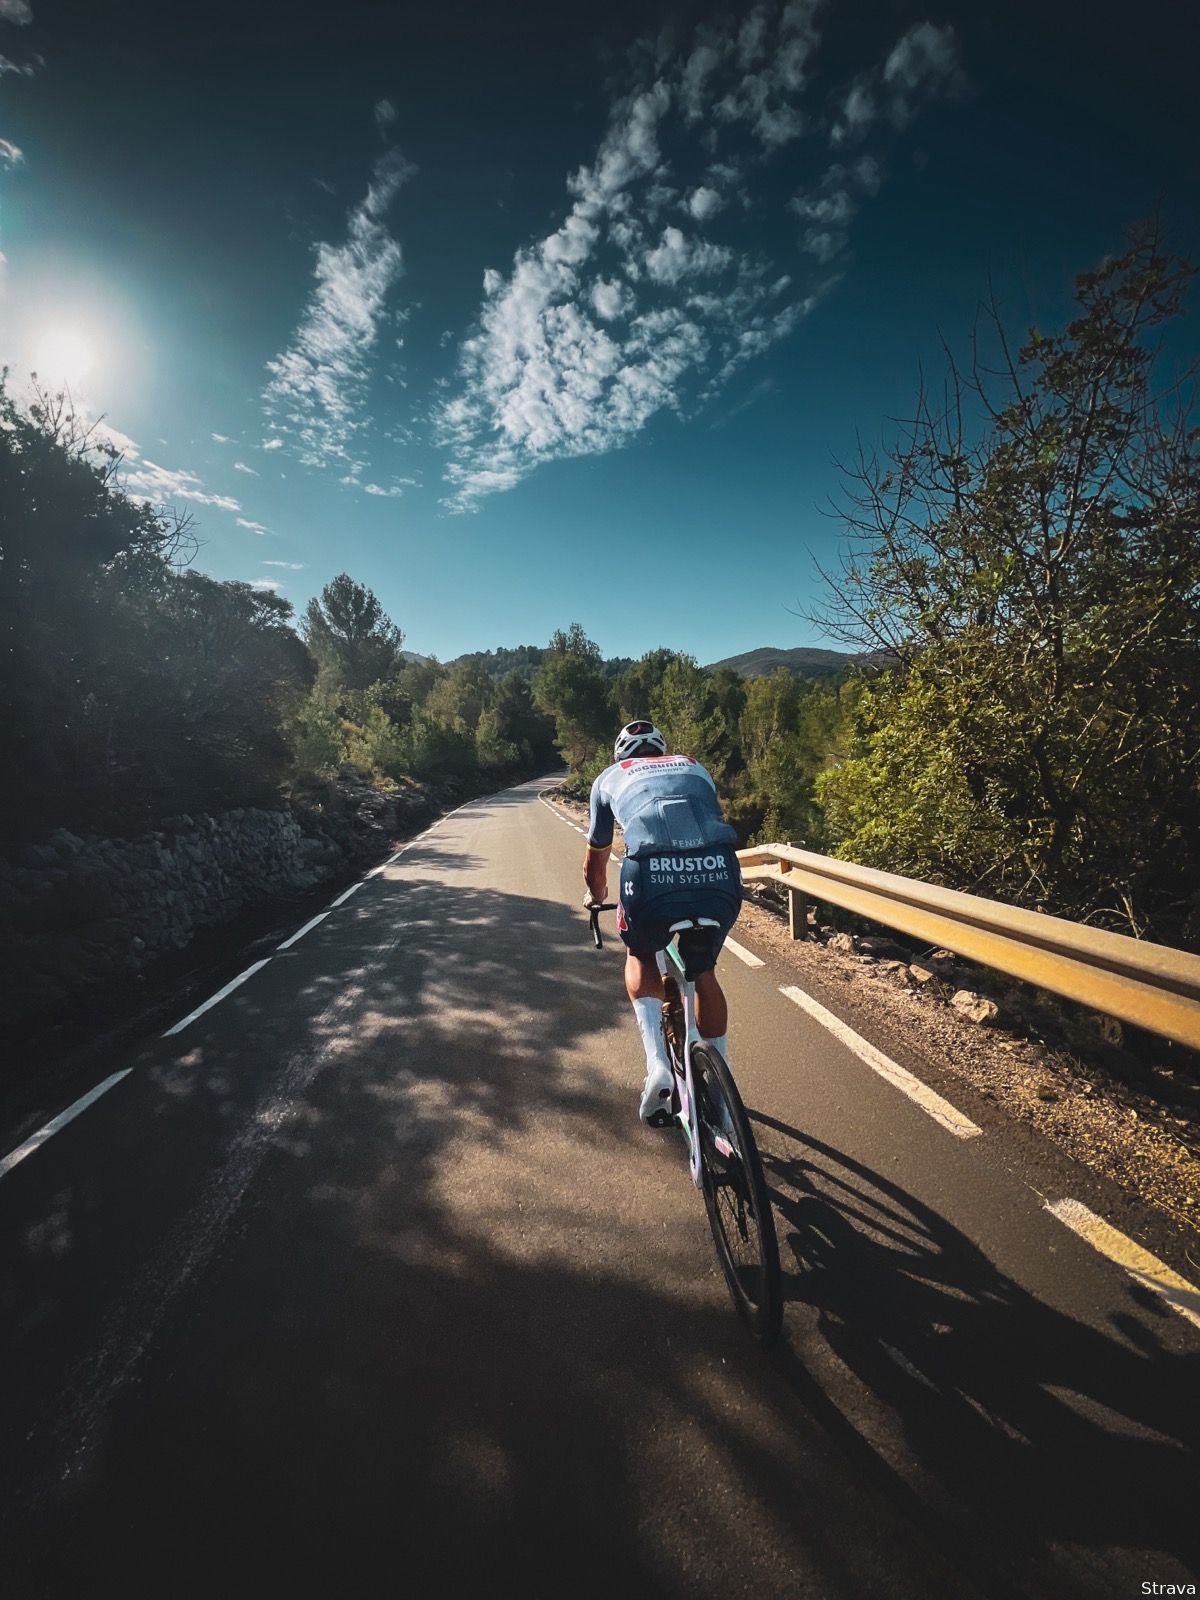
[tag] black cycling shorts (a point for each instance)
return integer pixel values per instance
(662, 888)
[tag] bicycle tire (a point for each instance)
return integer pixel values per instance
(736, 1197)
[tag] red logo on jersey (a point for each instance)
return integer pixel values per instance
(656, 761)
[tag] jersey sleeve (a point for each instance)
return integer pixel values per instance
(600, 817)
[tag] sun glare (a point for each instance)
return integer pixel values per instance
(64, 357)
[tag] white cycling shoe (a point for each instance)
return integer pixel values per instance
(655, 1109)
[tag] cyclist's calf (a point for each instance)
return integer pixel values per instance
(643, 981)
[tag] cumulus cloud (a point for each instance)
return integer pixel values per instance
(704, 202)
(316, 397)
(162, 485)
(271, 444)
(392, 492)
(622, 312)
(265, 583)
(611, 299)
(676, 256)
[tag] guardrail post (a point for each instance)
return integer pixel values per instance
(797, 914)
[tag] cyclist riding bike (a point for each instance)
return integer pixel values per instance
(679, 864)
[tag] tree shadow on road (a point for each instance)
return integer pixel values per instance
(366, 1288)
(1034, 1441)
(375, 1282)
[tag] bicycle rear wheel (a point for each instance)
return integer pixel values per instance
(736, 1198)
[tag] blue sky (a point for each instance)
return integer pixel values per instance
(528, 315)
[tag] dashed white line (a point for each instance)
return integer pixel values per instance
(220, 995)
(346, 893)
(36, 1140)
(300, 932)
(899, 1077)
(742, 953)
(1141, 1266)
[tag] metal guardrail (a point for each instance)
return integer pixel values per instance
(1149, 985)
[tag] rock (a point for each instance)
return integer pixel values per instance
(881, 949)
(843, 942)
(939, 959)
(920, 973)
(975, 1007)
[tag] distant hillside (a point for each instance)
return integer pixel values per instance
(801, 663)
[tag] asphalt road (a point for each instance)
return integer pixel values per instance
(369, 1281)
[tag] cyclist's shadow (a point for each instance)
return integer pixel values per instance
(1025, 1427)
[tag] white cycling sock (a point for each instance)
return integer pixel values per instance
(721, 1046)
(649, 1013)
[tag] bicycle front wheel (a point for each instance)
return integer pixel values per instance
(736, 1198)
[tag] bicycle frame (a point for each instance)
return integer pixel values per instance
(685, 1086)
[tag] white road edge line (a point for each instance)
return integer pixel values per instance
(300, 932)
(220, 995)
(346, 893)
(36, 1140)
(742, 953)
(1141, 1266)
(899, 1077)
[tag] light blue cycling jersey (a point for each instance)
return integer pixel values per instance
(661, 802)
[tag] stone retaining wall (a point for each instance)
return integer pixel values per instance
(77, 912)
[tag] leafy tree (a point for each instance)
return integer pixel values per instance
(351, 638)
(686, 709)
(1039, 588)
(570, 687)
(637, 688)
(519, 721)
(459, 697)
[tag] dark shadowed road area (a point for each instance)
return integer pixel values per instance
(369, 1281)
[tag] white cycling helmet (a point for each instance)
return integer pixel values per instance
(641, 738)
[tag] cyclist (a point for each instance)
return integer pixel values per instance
(679, 863)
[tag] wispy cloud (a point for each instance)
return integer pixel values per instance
(922, 64)
(271, 444)
(240, 466)
(22, 69)
(254, 527)
(316, 398)
(646, 297)
(221, 438)
(289, 566)
(18, 11)
(265, 583)
(10, 153)
(162, 485)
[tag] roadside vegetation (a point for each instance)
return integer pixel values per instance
(1021, 586)
(1020, 591)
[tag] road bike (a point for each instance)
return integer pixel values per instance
(722, 1156)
